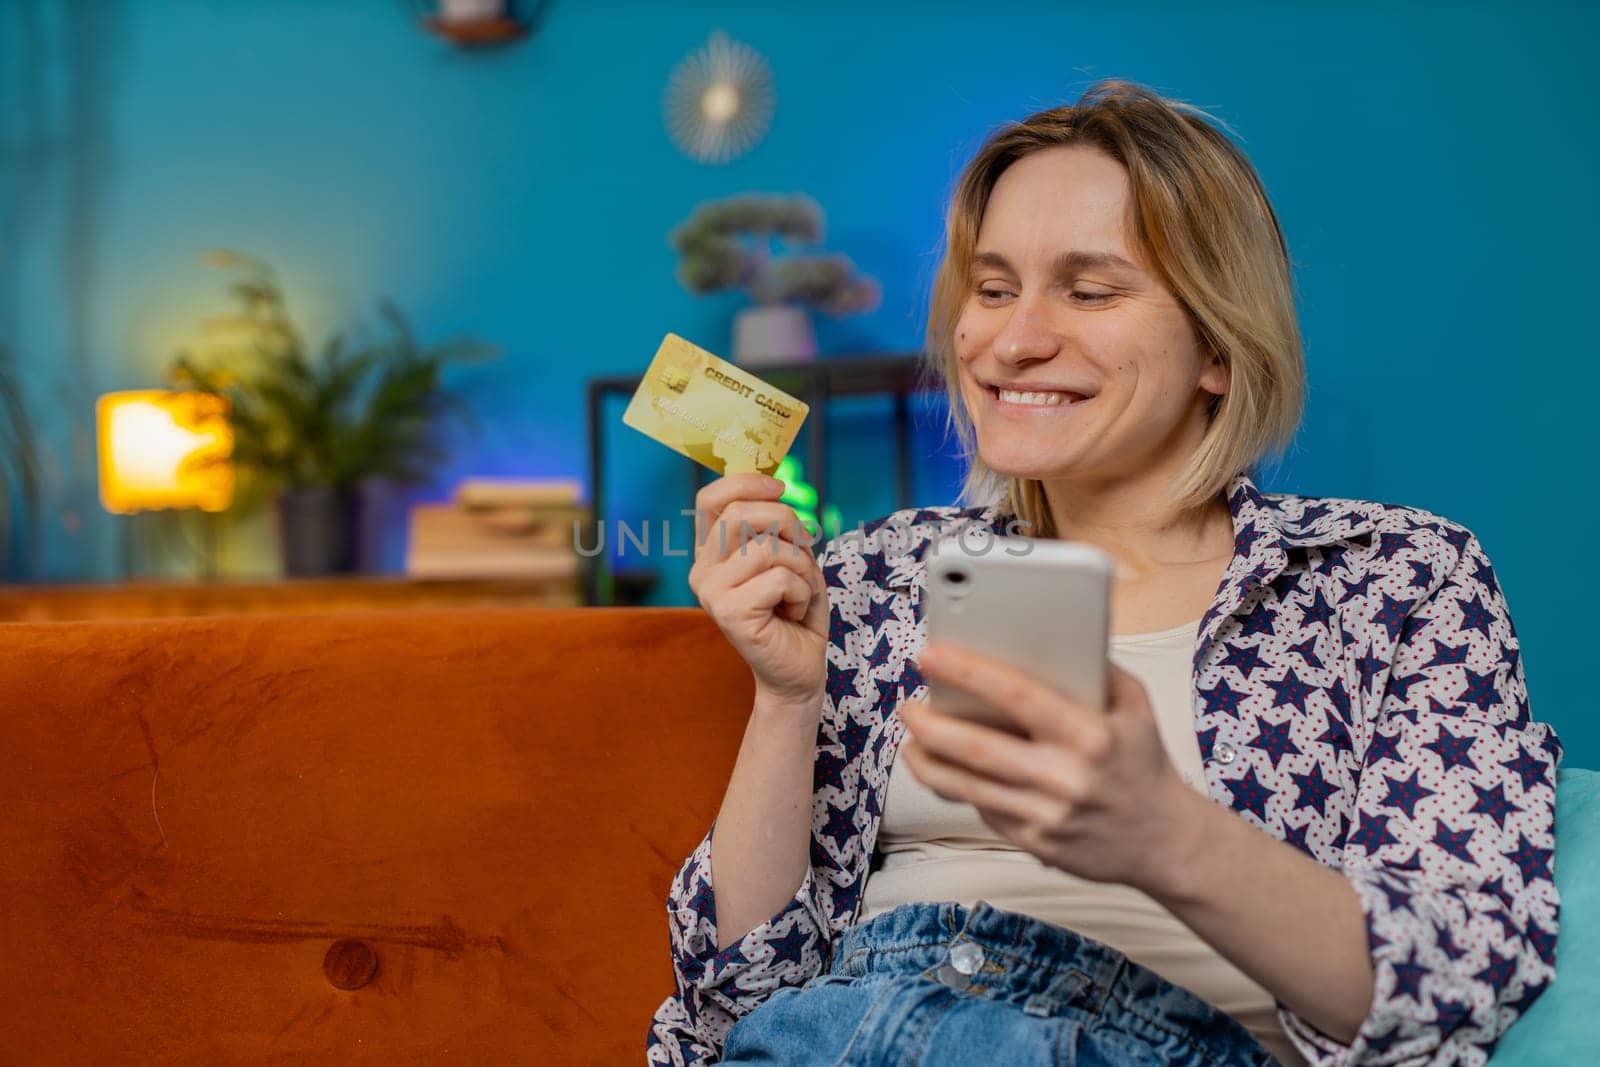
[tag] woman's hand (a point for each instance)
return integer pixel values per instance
(1094, 795)
(765, 591)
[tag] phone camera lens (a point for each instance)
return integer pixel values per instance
(955, 580)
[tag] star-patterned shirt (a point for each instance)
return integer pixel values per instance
(1358, 693)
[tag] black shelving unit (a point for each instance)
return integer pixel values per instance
(898, 375)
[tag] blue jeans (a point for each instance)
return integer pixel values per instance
(937, 983)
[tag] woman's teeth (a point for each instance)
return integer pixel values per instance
(1047, 399)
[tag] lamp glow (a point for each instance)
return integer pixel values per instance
(161, 449)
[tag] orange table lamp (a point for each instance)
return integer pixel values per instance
(162, 449)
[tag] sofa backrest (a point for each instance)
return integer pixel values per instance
(488, 805)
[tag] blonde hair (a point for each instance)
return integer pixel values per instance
(1202, 223)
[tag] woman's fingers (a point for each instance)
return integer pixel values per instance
(739, 515)
(715, 496)
(763, 593)
(953, 780)
(1039, 709)
(1054, 770)
(753, 522)
(759, 531)
(752, 565)
(754, 559)
(820, 609)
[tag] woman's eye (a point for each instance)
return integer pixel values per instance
(1083, 296)
(1079, 295)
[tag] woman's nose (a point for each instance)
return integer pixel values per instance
(1017, 353)
(1027, 337)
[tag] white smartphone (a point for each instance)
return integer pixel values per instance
(1041, 605)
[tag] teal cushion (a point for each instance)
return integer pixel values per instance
(1563, 1025)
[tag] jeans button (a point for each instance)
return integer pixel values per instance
(966, 957)
(1224, 752)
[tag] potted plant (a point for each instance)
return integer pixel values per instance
(308, 432)
(19, 473)
(727, 244)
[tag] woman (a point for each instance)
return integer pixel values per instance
(1316, 824)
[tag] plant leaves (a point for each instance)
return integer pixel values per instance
(355, 411)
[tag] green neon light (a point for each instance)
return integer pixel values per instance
(802, 496)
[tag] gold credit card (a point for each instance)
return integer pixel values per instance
(713, 412)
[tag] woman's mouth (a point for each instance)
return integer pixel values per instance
(1034, 400)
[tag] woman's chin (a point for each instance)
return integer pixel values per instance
(1022, 465)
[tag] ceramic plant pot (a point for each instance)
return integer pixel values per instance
(471, 10)
(319, 530)
(773, 333)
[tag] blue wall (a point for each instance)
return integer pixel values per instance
(1434, 170)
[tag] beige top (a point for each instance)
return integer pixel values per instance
(937, 850)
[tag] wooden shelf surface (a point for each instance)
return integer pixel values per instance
(477, 32)
(155, 599)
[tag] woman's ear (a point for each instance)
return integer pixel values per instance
(1215, 377)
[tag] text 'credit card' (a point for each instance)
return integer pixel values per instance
(713, 412)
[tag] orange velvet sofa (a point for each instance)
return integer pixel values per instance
(407, 837)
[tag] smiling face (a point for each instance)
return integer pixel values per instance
(1076, 363)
